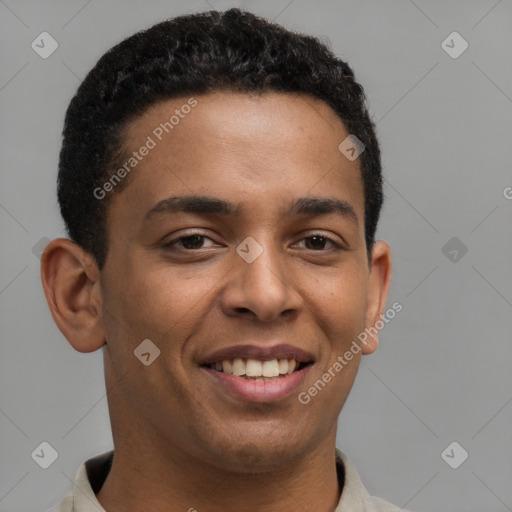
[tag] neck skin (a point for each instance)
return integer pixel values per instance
(147, 476)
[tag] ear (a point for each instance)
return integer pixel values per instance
(71, 283)
(380, 281)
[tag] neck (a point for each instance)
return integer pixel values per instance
(143, 480)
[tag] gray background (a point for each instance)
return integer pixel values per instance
(442, 372)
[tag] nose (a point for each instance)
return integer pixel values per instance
(264, 289)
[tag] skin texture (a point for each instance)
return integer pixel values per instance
(181, 442)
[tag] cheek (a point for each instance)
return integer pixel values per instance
(164, 305)
(147, 307)
(342, 302)
(135, 309)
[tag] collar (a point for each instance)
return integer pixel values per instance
(93, 472)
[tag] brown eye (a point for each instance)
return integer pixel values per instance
(188, 243)
(192, 242)
(317, 243)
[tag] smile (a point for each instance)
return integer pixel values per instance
(256, 381)
(258, 371)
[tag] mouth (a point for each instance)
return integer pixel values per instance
(258, 374)
(258, 371)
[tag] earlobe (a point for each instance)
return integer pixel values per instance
(70, 279)
(380, 281)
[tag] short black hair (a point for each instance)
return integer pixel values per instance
(196, 54)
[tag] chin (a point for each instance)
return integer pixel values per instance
(256, 455)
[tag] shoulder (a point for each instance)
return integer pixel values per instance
(354, 496)
(65, 505)
(374, 504)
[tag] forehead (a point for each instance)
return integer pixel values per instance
(269, 147)
(253, 122)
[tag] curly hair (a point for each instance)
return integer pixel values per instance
(192, 55)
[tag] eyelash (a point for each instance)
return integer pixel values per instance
(172, 243)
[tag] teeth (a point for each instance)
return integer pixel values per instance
(254, 368)
(257, 370)
(238, 367)
(227, 367)
(271, 368)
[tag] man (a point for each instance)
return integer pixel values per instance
(221, 186)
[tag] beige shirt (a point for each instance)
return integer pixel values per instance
(93, 472)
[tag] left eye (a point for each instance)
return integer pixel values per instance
(316, 241)
(189, 242)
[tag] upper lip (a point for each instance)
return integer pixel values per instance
(282, 351)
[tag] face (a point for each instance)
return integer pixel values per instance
(269, 265)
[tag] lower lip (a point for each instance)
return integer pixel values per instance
(259, 391)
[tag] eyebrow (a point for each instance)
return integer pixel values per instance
(310, 206)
